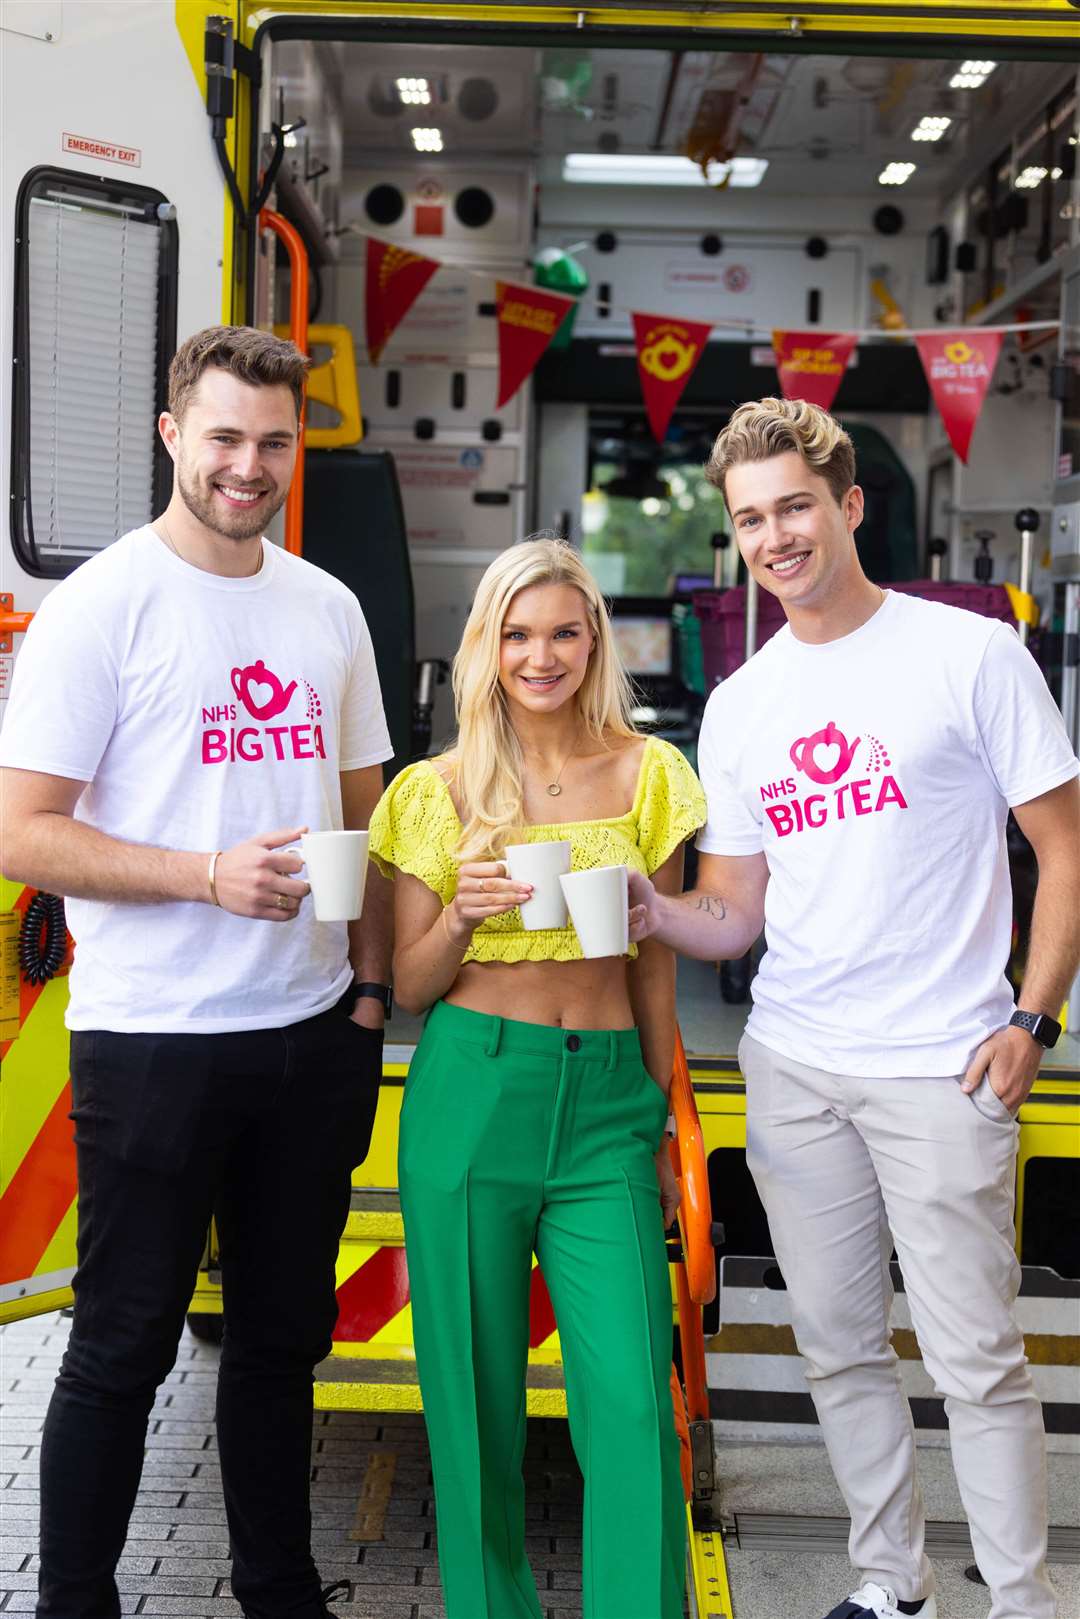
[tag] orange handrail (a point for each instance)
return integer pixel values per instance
(692, 1343)
(298, 331)
(695, 1273)
(688, 1161)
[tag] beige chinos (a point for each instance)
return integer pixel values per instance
(846, 1167)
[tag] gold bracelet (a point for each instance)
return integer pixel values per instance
(446, 926)
(212, 873)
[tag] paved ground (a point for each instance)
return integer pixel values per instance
(176, 1559)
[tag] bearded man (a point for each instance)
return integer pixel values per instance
(185, 704)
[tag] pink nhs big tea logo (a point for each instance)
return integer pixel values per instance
(261, 696)
(825, 758)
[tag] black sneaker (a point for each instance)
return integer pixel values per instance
(872, 1601)
(332, 1592)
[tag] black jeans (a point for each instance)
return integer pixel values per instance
(261, 1129)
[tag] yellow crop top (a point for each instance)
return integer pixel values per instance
(415, 828)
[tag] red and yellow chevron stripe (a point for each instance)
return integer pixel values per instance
(373, 1300)
(37, 1153)
(372, 1366)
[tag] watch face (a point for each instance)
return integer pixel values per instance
(1040, 1027)
(1046, 1031)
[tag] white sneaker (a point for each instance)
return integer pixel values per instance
(872, 1601)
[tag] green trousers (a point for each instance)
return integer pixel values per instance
(519, 1138)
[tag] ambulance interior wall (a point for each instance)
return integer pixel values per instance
(1010, 466)
(475, 478)
(659, 265)
(540, 460)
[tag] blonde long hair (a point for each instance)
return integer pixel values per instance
(486, 759)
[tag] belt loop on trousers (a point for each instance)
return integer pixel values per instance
(612, 1050)
(494, 1037)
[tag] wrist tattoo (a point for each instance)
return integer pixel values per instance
(713, 905)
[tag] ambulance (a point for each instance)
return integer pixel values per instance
(757, 171)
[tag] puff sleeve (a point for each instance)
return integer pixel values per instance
(672, 805)
(414, 828)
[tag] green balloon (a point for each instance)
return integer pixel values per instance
(556, 271)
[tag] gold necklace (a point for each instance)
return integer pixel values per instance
(553, 788)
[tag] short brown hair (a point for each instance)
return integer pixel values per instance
(763, 428)
(258, 358)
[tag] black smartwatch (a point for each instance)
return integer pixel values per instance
(376, 992)
(1039, 1026)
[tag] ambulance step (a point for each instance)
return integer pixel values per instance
(795, 1532)
(353, 1383)
(374, 1217)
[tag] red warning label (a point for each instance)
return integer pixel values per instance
(102, 151)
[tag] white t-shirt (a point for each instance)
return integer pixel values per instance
(201, 711)
(876, 772)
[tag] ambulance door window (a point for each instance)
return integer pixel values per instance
(95, 329)
(648, 515)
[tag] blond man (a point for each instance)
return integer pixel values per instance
(859, 771)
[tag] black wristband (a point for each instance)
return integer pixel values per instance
(376, 992)
(1046, 1030)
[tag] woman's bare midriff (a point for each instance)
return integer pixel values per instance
(560, 994)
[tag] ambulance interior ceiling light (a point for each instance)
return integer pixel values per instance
(930, 129)
(895, 174)
(623, 168)
(414, 92)
(427, 140)
(971, 75)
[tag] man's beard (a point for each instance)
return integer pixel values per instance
(238, 525)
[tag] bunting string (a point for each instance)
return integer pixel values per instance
(751, 325)
(958, 361)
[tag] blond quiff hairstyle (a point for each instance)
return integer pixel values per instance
(486, 760)
(763, 428)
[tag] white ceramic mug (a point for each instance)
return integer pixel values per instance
(336, 869)
(599, 906)
(541, 864)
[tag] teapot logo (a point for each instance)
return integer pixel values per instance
(245, 683)
(667, 357)
(803, 754)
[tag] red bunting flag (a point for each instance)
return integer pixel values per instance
(528, 320)
(395, 279)
(812, 364)
(667, 352)
(958, 366)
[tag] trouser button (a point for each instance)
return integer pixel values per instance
(573, 1042)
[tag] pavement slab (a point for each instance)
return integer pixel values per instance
(176, 1561)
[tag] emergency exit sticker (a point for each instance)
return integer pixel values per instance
(130, 157)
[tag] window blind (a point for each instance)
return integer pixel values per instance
(93, 345)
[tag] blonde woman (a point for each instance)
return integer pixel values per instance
(534, 1112)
